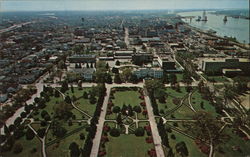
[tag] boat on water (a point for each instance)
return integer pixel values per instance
(225, 19)
(210, 31)
(203, 18)
(199, 18)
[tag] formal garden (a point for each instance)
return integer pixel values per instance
(189, 119)
(60, 123)
(126, 131)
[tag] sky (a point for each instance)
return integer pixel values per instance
(54, 5)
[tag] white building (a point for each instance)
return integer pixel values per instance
(148, 72)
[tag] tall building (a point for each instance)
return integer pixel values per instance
(218, 66)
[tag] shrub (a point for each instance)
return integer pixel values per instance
(115, 132)
(139, 132)
(18, 148)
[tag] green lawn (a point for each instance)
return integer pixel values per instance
(196, 100)
(74, 126)
(126, 97)
(183, 112)
(61, 149)
(82, 103)
(111, 124)
(127, 146)
(193, 150)
(28, 145)
(169, 100)
(216, 78)
(142, 124)
(179, 77)
(234, 140)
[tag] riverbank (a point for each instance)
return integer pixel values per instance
(232, 28)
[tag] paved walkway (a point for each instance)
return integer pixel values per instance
(155, 133)
(97, 139)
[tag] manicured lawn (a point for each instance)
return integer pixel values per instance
(234, 141)
(169, 100)
(179, 77)
(35, 126)
(127, 146)
(183, 112)
(196, 100)
(126, 97)
(69, 129)
(193, 149)
(174, 93)
(28, 145)
(142, 117)
(85, 105)
(61, 149)
(142, 124)
(111, 124)
(216, 78)
(82, 103)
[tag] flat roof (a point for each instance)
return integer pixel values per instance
(224, 59)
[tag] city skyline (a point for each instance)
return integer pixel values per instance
(78, 5)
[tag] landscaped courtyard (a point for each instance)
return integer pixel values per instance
(58, 119)
(126, 131)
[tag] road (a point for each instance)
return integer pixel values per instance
(126, 38)
(39, 86)
(15, 27)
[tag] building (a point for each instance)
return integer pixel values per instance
(123, 54)
(218, 66)
(85, 73)
(148, 72)
(82, 59)
(166, 63)
(142, 58)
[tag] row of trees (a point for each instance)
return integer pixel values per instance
(92, 129)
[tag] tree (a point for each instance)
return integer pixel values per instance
(116, 109)
(119, 119)
(139, 131)
(41, 132)
(74, 150)
(85, 95)
(117, 63)
(115, 70)
(108, 78)
(6, 130)
(115, 132)
(207, 128)
(57, 93)
(67, 99)
(126, 74)
(82, 136)
(44, 113)
(181, 148)
(18, 148)
(117, 79)
(107, 66)
(172, 78)
(72, 88)
(64, 87)
(62, 110)
(137, 109)
(30, 134)
(134, 78)
(92, 99)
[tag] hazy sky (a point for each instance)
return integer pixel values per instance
(48, 5)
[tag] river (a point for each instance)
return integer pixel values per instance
(234, 27)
